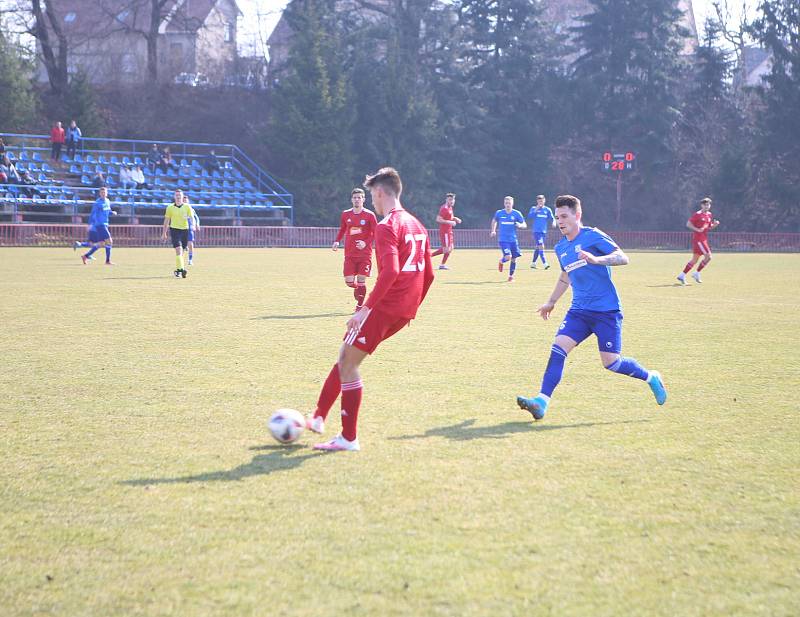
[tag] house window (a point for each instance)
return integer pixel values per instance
(69, 17)
(128, 63)
(228, 32)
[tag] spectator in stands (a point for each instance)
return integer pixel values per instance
(166, 160)
(29, 182)
(137, 175)
(125, 179)
(74, 136)
(2, 147)
(12, 176)
(211, 162)
(99, 180)
(153, 157)
(57, 138)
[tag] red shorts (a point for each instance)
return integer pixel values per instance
(357, 267)
(377, 327)
(446, 239)
(701, 247)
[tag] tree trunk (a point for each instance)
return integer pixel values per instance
(55, 65)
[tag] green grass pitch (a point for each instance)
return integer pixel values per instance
(138, 476)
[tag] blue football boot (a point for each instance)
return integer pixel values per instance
(657, 386)
(537, 406)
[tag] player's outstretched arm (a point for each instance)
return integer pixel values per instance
(617, 258)
(562, 284)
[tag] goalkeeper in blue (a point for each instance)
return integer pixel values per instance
(586, 256)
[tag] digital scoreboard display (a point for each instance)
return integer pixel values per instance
(619, 161)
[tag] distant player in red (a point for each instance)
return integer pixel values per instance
(405, 273)
(701, 222)
(357, 227)
(446, 221)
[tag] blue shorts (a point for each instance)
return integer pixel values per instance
(510, 249)
(99, 233)
(191, 235)
(539, 238)
(606, 325)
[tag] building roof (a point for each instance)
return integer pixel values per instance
(81, 17)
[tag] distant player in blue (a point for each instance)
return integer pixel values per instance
(194, 226)
(508, 220)
(99, 235)
(585, 255)
(542, 218)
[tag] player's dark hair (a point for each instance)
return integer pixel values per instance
(449, 195)
(540, 197)
(568, 201)
(387, 178)
(357, 191)
(705, 200)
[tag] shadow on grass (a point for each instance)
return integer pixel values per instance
(465, 431)
(276, 458)
(134, 278)
(319, 316)
(667, 285)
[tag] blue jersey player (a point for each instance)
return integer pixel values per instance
(99, 234)
(194, 227)
(542, 218)
(585, 255)
(508, 221)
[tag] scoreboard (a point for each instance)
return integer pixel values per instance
(619, 161)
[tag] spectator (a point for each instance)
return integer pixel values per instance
(166, 160)
(12, 177)
(99, 180)
(2, 147)
(211, 162)
(125, 177)
(153, 157)
(57, 138)
(74, 137)
(29, 182)
(137, 175)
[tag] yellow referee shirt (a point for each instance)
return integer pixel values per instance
(179, 216)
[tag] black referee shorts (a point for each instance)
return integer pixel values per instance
(180, 237)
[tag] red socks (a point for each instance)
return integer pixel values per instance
(360, 293)
(437, 252)
(703, 264)
(688, 268)
(446, 257)
(329, 394)
(351, 402)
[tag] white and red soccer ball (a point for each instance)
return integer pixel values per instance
(286, 425)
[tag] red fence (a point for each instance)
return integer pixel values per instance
(296, 237)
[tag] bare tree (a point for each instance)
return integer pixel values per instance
(735, 35)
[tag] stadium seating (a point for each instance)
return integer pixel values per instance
(237, 194)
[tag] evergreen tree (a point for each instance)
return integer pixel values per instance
(80, 105)
(778, 29)
(311, 127)
(17, 99)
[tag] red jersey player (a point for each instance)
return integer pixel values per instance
(357, 227)
(701, 222)
(405, 273)
(446, 221)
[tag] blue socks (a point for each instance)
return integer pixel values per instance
(108, 253)
(92, 250)
(86, 244)
(629, 367)
(554, 370)
(512, 267)
(191, 254)
(536, 254)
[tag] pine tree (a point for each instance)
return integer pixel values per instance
(17, 100)
(311, 130)
(80, 105)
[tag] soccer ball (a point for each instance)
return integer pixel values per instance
(286, 425)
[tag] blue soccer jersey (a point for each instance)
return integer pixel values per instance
(507, 224)
(100, 212)
(542, 217)
(592, 287)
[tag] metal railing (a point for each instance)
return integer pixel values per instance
(319, 237)
(132, 148)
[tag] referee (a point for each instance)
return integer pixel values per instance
(177, 218)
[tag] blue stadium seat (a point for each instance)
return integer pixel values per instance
(85, 180)
(114, 160)
(47, 168)
(42, 177)
(23, 156)
(90, 159)
(87, 169)
(137, 160)
(37, 157)
(78, 158)
(195, 164)
(102, 159)
(184, 163)
(74, 169)
(126, 160)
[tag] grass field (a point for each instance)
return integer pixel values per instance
(138, 477)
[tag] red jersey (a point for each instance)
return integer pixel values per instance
(355, 227)
(701, 220)
(57, 135)
(405, 271)
(445, 212)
